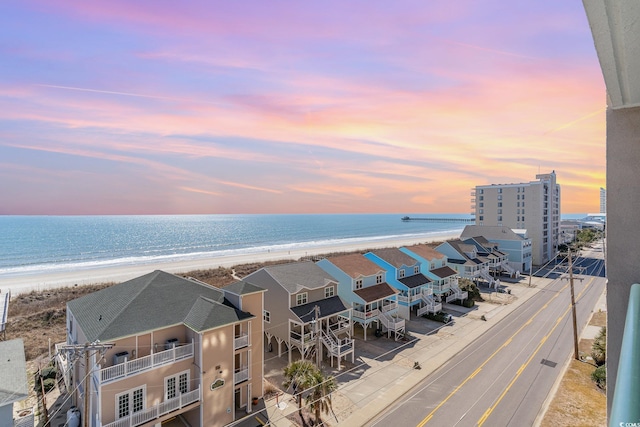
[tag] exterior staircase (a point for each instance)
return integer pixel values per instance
(458, 294)
(486, 276)
(430, 304)
(337, 347)
(393, 324)
(506, 267)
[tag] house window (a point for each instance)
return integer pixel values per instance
(176, 384)
(266, 316)
(329, 292)
(481, 218)
(499, 196)
(481, 198)
(499, 211)
(130, 402)
(499, 204)
(481, 204)
(379, 279)
(401, 273)
(358, 283)
(416, 269)
(500, 218)
(301, 298)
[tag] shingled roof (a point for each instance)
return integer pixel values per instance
(297, 276)
(395, 257)
(13, 372)
(153, 301)
(355, 265)
(426, 252)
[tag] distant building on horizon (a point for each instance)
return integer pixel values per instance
(603, 200)
(534, 206)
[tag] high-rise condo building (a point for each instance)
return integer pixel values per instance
(533, 206)
(603, 200)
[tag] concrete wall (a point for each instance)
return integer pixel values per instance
(623, 233)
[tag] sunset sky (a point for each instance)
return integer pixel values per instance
(167, 107)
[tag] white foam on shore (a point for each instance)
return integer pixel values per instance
(69, 274)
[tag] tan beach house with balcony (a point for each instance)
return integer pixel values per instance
(303, 311)
(161, 347)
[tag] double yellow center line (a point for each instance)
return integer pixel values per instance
(506, 343)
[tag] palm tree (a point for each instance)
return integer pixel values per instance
(319, 399)
(299, 375)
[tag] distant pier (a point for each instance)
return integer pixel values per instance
(408, 218)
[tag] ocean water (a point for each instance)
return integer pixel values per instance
(44, 244)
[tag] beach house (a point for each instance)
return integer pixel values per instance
(13, 383)
(302, 310)
(516, 245)
(404, 273)
(433, 264)
(464, 258)
(161, 347)
(489, 250)
(361, 283)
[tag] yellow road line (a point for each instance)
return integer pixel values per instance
(455, 390)
(522, 368)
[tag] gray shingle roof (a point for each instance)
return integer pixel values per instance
(328, 307)
(443, 272)
(242, 288)
(415, 280)
(298, 275)
(490, 232)
(149, 302)
(13, 372)
(395, 257)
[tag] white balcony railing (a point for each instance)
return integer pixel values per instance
(299, 339)
(159, 410)
(364, 316)
(389, 307)
(241, 341)
(240, 375)
(132, 367)
(404, 298)
(342, 324)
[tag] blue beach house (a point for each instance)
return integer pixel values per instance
(403, 273)
(517, 246)
(361, 283)
(433, 264)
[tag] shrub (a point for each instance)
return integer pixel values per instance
(48, 372)
(471, 288)
(599, 347)
(599, 376)
(48, 384)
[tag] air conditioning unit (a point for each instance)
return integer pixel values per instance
(170, 343)
(121, 357)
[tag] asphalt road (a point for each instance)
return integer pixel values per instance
(504, 377)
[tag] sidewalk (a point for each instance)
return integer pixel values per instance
(382, 375)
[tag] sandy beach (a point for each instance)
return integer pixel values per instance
(26, 283)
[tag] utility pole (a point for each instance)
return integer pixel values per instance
(73, 352)
(573, 310)
(318, 344)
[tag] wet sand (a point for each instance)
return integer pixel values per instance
(26, 283)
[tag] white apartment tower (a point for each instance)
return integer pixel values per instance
(534, 206)
(603, 200)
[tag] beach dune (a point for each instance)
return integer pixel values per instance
(27, 283)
